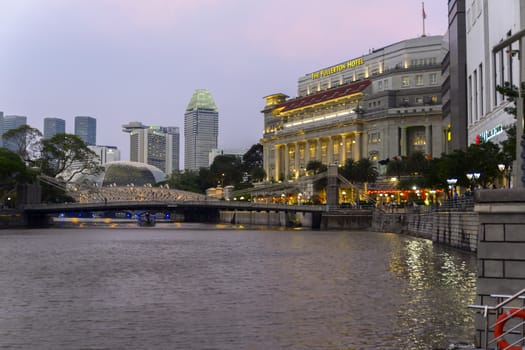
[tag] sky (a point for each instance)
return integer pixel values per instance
(141, 60)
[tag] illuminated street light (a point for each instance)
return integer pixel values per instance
(451, 183)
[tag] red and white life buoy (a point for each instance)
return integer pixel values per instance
(500, 323)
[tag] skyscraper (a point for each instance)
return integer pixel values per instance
(154, 145)
(7, 123)
(54, 126)
(86, 129)
(201, 130)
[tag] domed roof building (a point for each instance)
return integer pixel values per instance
(123, 173)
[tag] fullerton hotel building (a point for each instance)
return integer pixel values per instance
(378, 106)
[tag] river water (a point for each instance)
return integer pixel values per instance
(194, 286)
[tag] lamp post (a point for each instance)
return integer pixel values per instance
(451, 184)
(505, 170)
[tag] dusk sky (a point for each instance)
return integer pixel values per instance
(141, 60)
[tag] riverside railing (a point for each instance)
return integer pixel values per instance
(510, 309)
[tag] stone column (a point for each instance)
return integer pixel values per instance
(306, 153)
(277, 163)
(318, 150)
(428, 139)
(266, 162)
(500, 247)
(342, 150)
(356, 147)
(286, 161)
(330, 151)
(403, 141)
(296, 158)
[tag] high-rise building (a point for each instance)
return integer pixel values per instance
(86, 129)
(8, 122)
(455, 81)
(54, 126)
(106, 154)
(154, 145)
(201, 130)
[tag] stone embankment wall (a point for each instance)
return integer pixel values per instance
(455, 228)
(267, 218)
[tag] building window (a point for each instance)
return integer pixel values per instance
(405, 81)
(374, 137)
(380, 85)
(419, 100)
(433, 78)
(481, 92)
(419, 79)
(385, 84)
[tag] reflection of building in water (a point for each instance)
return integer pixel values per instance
(378, 106)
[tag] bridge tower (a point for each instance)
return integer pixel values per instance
(332, 188)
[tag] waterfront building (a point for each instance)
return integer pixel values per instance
(9, 122)
(487, 24)
(106, 154)
(86, 129)
(381, 105)
(201, 130)
(154, 145)
(54, 126)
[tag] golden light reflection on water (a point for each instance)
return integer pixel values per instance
(432, 273)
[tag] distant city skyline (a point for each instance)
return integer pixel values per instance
(68, 58)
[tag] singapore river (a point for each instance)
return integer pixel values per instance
(195, 286)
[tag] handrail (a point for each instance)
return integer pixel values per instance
(497, 309)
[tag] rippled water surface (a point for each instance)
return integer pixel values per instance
(209, 287)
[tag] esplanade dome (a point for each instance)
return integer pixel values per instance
(123, 173)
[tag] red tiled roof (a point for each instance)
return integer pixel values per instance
(323, 96)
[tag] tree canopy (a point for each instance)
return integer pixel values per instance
(66, 155)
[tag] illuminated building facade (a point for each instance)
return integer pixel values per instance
(154, 145)
(379, 106)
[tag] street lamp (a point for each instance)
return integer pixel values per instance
(505, 170)
(451, 183)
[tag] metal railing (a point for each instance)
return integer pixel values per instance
(508, 307)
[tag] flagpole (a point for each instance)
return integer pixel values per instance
(424, 15)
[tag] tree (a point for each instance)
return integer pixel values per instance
(65, 156)
(253, 162)
(316, 166)
(348, 169)
(13, 171)
(227, 170)
(26, 141)
(187, 180)
(365, 171)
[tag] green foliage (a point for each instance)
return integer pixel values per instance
(316, 167)
(511, 92)
(252, 162)
(66, 155)
(226, 170)
(185, 181)
(362, 170)
(26, 141)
